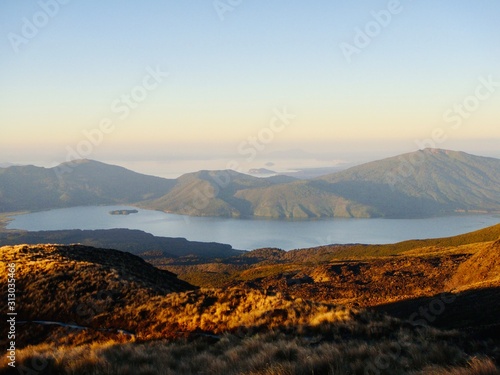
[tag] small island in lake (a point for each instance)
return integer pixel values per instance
(123, 212)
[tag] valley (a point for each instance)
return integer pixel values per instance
(102, 295)
(426, 305)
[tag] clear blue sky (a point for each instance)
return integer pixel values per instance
(227, 77)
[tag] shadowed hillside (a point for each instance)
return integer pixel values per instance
(301, 199)
(80, 285)
(420, 184)
(350, 309)
(78, 183)
(212, 193)
(134, 241)
(113, 313)
(440, 182)
(426, 181)
(367, 275)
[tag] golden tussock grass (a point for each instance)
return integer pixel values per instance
(381, 346)
(179, 329)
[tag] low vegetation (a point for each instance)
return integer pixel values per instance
(362, 274)
(383, 346)
(432, 309)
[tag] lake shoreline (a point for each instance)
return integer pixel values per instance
(7, 217)
(252, 233)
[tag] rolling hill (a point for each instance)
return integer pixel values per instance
(79, 285)
(420, 184)
(134, 241)
(424, 183)
(460, 273)
(430, 181)
(78, 183)
(85, 310)
(212, 193)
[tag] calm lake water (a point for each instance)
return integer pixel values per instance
(247, 234)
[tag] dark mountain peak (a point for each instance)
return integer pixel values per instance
(76, 183)
(413, 161)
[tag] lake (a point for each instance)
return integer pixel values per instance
(247, 234)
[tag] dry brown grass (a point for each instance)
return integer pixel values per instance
(234, 330)
(216, 311)
(77, 284)
(384, 346)
(110, 290)
(475, 366)
(479, 270)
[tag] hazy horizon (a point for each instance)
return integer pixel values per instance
(284, 161)
(172, 84)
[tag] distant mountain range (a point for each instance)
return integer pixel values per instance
(82, 182)
(420, 184)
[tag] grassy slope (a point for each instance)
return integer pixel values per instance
(80, 284)
(407, 282)
(480, 270)
(365, 345)
(360, 251)
(274, 262)
(257, 329)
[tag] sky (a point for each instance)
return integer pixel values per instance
(175, 84)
